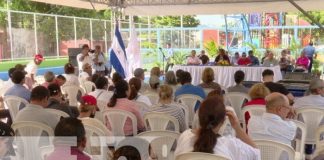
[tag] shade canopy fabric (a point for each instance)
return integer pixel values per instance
(192, 7)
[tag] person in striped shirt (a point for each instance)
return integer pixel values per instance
(168, 106)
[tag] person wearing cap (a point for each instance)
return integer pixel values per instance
(84, 57)
(315, 98)
(35, 111)
(88, 106)
(139, 73)
(32, 67)
(56, 101)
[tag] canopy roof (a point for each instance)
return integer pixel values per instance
(192, 7)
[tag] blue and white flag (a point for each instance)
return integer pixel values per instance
(118, 58)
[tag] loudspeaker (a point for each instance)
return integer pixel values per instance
(73, 52)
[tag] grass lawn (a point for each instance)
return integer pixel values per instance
(5, 66)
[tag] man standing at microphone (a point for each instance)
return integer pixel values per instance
(168, 57)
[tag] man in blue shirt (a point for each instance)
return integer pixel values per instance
(254, 59)
(310, 52)
(188, 88)
(18, 90)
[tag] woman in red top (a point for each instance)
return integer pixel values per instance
(257, 93)
(244, 61)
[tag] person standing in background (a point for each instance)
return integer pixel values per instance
(99, 59)
(31, 70)
(168, 57)
(310, 54)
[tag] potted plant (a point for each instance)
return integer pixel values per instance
(316, 71)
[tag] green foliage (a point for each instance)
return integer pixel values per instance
(316, 67)
(212, 48)
(294, 47)
(254, 48)
(179, 57)
(175, 21)
(319, 17)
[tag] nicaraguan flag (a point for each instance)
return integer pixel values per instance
(118, 58)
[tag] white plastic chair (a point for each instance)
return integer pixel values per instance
(101, 105)
(58, 113)
(300, 143)
(271, 150)
(96, 137)
(185, 110)
(88, 86)
(236, 100)
(117, 119)
(13, 103)
(207, 90)
(143, 107)
(253, 110)
(200, 156)
(312, 117)
(159, 121)
(72, 92)
(161, 142)
(141, 144)
(28, 137)
(190, 101)
(154, 97)
(319, 141)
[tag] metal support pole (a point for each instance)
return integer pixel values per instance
(75, 33)
(105, 26)
(10, 30)
(226, 32)
(35, 31)
(182, 36)
(91, 38)
(57, 38)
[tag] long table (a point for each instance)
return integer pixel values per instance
(224, 75)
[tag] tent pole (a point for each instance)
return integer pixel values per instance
(226, 32)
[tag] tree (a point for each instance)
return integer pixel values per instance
(175, 21)
(318, 16)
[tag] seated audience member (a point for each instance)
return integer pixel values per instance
(222, 57)
(239, 87)
(235, 59)
(266, 54)
(302, 63)
(315, 98)
(154, 84)
(270, 60)
(120, 101)
(56, 101)
(208, 79)
(192, 59)
(6, 142)
(127, 153)
(65, 148)
(60, 80)
(244, 61)
(101, 92)
(31, 69)
(254, 60)
(267, 77)
(258, 92)
(178, 76)
(35, 111)
(168, 106)
(273, 125)
(7, 84)
(155, 71)
(135, 86)
(71, 78)
(18, 78)
(49, 78)
(171, 80)
(98, 61)
(188, 88)
(88, 106)
(139, 73)
(86, 73)
(115, 78)
(207, 138)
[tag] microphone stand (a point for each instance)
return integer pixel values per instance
(163, 59)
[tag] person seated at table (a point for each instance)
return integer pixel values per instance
(268, 78)
(266, 54)
(204, 60)
(239, 87)
(274, 124)
(192, 59)
(244, 61)
(254, 60)
(235, 58)
(202, 52)
(222, 58)
(284, 62)
(207, 138)
(302, 63)
(208, 79)
(270, 60)
(188, 88)
(257, 92)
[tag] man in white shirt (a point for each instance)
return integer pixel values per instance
(86, 73)
(31, 70)
(192, 59)
(273, 124)
(101, 92)
(316, 89)
(84, 57)
(98, 61)
(35, 111)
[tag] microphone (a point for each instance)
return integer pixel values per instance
(160, 48)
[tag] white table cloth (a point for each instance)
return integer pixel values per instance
(224, 75)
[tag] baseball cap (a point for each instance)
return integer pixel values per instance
(39, 57)
(88, 100)
(138, 72)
